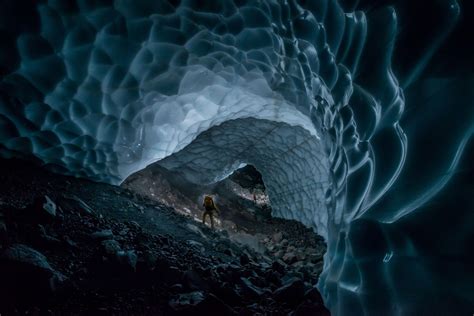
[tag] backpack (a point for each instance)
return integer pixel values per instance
(208, 202)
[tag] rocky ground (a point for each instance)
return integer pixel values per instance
(71, 246)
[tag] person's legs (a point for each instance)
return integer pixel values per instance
(212, 219)
(204, 217)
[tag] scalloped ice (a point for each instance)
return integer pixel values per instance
(301, 89)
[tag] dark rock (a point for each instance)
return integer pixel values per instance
(23, 254)
(26, 275)
(71, 243)
(58, 282)
(313, 295)
(277, 237)
(110, 247)
(198, 245)
(279, 266)
(290, 258)
(43, 239)
(244, 259)
(228, 294)
(290, 276)
(184, 302)
(311, 308)
(249, 290)
(74, 204)
(176, 288)
(43, 209)
(292, 292)
(170, 274)
(127, 259)
(229, 252)
(199, 303)
(273, 277)
(193, 281)
(102, 234)
(147, 261)
(133, 225)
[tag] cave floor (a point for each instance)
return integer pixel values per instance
(107, 250)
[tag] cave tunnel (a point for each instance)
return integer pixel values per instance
(357, 114)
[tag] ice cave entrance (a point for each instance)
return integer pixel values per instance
(245, 213)
(241, 196)
(292, 161)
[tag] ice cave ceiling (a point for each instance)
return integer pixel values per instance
(358, 114)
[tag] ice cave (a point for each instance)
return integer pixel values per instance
(358, 114)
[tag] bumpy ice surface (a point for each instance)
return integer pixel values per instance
(303, 90)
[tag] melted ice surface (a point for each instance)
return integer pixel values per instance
(303, 90)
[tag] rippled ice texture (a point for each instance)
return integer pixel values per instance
(304, 90)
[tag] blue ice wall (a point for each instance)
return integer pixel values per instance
(372, 98)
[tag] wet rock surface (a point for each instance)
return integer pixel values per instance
(110, 251)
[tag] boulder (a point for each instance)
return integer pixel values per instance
(193, 281)
(228, 294)
(24, 255)
(102, 234)
(27, 275)
(313, 295)
(311, 308)
(127, 259)
(74, 204)
(292, 292)
(110, 247)
(247, 289)
(43, 240)
(43, 209)
(170, 274)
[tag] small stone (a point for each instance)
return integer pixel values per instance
(187, 300)
(277, 237)
(127, 258)
(102, 234)
(71, 243)
(290, 258)
(199, 303)
(196, 244)
(279, 254)
(178, 287)
(44, 208)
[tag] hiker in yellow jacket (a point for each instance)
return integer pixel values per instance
(209, 208)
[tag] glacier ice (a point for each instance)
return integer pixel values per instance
(351, 139)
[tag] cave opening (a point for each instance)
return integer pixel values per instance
(245, 216)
